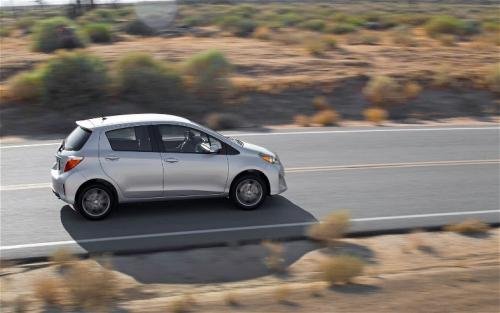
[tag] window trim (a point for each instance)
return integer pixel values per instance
(147, 132)
(162, 147)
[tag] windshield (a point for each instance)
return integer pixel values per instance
(76, 139)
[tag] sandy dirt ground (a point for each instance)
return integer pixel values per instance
(417, 272)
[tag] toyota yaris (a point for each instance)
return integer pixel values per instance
(129, 158)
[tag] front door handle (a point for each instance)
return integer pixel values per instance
(112, 158)
(171, 160)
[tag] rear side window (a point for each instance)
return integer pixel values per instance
(76, 139)
(130, 139)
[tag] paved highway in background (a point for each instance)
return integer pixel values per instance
(387, 178)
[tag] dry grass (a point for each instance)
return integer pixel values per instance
(282, 293)
(383, 91)
(182, 305)
(91, 286)
(262, 33)
(492, 79)
(333, 227)
(320, 103)
(447, 40)
(443, 78)
(62, 257)
(231, 299)
(326, 117)
(302, 120)
(469, 227)
(412, 90)
(375, 115)
(274, 260)
(49, 290)
(341, 269)
(222, 121)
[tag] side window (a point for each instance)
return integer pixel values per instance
(180, 139)
(130, 139)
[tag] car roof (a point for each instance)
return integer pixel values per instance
(127, 119)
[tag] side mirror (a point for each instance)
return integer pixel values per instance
(207, 148)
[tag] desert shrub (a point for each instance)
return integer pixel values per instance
(222, 121)
(383, 91)
(25, 87)
(471, 27)
(302, 120)
(138, 27)
(262, 32)
(48, 290)
(289, 19)
(492, 79)
(98, 32)
(341, 28)
(25, 24)
(208, 72)
(314, 24)
(315, 47)
(444, 24)
(5, 31)
(447, 40)
(326, 117)
(90, 286)
(468, 227)
(99, 16)
(341, 269)
(412, 90)
(182, 304)
(491, 26)
(73, 79)
(404, 37)
(375, 115)
(329, 42)
(237, 25)
(139, 77)
(333, 227)
(55, 33)
(363, 39)
(346, 19)
(243, 10)
(413, 19)
(274, 260)
(320, 103)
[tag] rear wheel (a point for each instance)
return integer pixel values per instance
(95, 202)
(248, 192)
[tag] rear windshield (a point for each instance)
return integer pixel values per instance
(76, 139)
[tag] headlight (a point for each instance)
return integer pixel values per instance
(268, 158)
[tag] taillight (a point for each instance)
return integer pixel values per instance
(72, 162)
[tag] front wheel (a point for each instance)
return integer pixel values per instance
(248, 192)
(95, 202)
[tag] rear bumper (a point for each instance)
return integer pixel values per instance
(65, 185)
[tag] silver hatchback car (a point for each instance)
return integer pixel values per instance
(142, 157)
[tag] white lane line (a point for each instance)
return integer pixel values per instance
(388, 165)
(31, 145)
(361, 131)
(292, 170)
(303, 133)
(24, 186)
(231, 229)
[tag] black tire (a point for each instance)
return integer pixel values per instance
(236, 197)
(100, 190)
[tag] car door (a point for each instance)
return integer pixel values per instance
(128, 157)
(188, 169)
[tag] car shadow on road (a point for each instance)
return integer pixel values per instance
(159, 226)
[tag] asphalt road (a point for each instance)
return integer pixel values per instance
(387, 178)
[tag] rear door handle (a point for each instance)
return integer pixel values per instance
(112, 157)
(171, 160)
